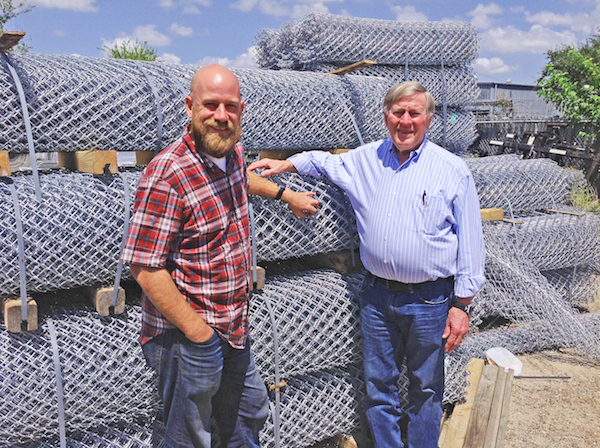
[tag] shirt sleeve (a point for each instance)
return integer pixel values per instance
(336, 167)
(156, 220)
(471, 250)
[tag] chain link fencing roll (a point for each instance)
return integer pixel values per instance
(577, 285)
(454, 86)
(105, 379)
(73, 236)
(520, 185)
(319, 38)
(76, 103)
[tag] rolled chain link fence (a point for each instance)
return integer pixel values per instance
(326, 38)
(76, 103)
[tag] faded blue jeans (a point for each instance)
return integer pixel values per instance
(397, 326)
(200, 380)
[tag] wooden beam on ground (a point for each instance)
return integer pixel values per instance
(143, 157)
(353, 67)
(102, 300)
(12, 315)
(565, 212)
(4, 164)
(478, 422)
(455, 430)
(9, 39)
(93, 161)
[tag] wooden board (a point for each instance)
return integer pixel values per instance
(491, 433)
(478, 422)
(93, 161)
(278, 155)
(9, 39)
(504, 412)
(492, 214)
(143, 157)
(4, 163)
(12, 315)
(353, 67)
(454, 433)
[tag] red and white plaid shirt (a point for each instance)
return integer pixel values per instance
(191, 218)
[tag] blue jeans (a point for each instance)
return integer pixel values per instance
(397, 327)
(200, 380)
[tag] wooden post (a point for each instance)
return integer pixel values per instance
(353, 67)
(93, 161)
(4, 163)
(478, 422)
(343, 441)
(102, 299)
(453, 435)
(12, 315)
(260, 277)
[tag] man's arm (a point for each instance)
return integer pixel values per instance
(158, 285)
(302, 204)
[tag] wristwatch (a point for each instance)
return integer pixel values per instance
(280, 192)
(461, 306)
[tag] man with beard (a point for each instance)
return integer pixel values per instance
(189, 249)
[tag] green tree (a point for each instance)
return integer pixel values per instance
(571, 80)
(131, 50)
(10, 10)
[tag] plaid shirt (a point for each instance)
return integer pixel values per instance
(191, 218)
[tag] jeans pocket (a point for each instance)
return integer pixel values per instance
(434, 296)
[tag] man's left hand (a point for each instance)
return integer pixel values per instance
(457, 326)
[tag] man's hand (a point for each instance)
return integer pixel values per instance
(272, 167)
(457, 326)
(302, 204)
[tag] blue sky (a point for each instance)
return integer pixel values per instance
(514, 35)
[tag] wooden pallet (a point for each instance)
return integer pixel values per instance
(480, 422)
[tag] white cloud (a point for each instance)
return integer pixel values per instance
(492, 66)
(148, 33)
(73, 5)
(512, 40)
(245, 60)
(408, 14)
(59, 33)
(281, 8)
(181, 30)
(191, 9)
(170, 58)
(583, 24)
(481, 15)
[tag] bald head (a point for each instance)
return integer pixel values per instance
(215, 107)
(214, 76)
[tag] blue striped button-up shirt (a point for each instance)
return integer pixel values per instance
(418, 221)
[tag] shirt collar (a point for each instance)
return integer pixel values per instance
(414, 155)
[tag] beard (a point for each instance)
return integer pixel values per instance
(215, 145)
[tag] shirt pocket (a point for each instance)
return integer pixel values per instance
(430, 213)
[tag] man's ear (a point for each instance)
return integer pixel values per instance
(188, 106)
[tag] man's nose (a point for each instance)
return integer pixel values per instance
(221, 113)
(405, 118)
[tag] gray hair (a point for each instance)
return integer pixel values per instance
(407, 88)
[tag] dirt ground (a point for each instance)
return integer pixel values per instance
(557, 413)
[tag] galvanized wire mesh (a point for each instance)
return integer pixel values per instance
(577, 285)
(78, 103)
(105, 380)
(518, 185)
(316, 315)
(73, 236)
(454, 86)
(321, 38)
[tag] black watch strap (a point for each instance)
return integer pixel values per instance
(280, 192)
(462, 306)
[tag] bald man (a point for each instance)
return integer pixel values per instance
(189, 249)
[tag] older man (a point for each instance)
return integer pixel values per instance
(421, 242)
(189, 250)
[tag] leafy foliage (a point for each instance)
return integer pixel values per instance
(131, 50)
(10, 10)
(571, 80)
